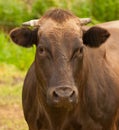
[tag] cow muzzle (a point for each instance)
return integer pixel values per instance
(62, 96)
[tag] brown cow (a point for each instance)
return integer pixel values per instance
(73, 83)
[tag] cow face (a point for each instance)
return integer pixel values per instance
(57, 51)
(60, 48)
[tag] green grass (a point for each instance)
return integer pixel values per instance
(13, 54)
(11, 114)
(11, 82)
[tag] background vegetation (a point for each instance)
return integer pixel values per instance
(15, 61)
(14, 12)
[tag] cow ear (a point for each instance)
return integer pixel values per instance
(24, 36)
(95, 36)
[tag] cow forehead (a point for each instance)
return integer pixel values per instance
(60, 38)
(64, 35)
(71, 24)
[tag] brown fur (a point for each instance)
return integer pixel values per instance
(59, 15)
(63, 59)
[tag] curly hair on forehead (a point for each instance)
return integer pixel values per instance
(59, 15)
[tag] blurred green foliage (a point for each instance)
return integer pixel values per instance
(14, 12)
(105, 10)
(40, 6)
(13, 54)
(79, 7)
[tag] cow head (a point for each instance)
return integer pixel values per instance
(60, 48)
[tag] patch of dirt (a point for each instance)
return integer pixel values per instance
(3, 82)
(11, 118)
(11, 111)
(16, 80)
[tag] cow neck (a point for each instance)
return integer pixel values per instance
(57, 117)
(98, 73)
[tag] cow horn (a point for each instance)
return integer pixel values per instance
(85, 21)
(31, 23)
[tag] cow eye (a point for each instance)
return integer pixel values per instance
(41, 50)
(77, 53)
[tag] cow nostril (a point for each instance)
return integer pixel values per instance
(72, 96)
(55, 96)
